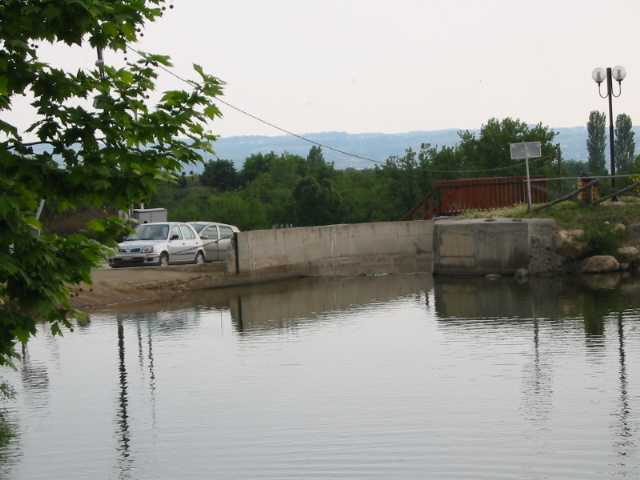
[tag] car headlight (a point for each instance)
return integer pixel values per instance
(147, 249)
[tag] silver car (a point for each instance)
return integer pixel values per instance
(217, 239)
(159, 244)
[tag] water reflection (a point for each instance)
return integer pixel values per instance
(284, 305)
(125, 461)
(625, 441)
(152, 375)
(507, 301)
(594, 301)
(34, 375)
(387, 377)
(537, 391)
(7, 440)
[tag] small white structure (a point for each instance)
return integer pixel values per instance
(149, 215)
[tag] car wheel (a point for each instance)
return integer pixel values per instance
(164, 259)
(199, 258)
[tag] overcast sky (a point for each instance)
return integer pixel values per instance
(392, 66)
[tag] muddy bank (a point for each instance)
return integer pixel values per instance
(139, 285)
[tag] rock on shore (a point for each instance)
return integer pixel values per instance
(600, 264)
(628, 254)
(569, 244)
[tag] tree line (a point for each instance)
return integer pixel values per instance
(624, 145)
(273, 189)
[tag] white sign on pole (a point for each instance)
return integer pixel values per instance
(525, 151)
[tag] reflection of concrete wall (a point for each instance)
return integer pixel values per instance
(480, 298)
(277, 305)
(558, 297)
(339, 249)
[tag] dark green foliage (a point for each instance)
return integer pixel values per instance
(601, 238)
(182, 180)
(404, 177)
(625, 145)
(573, 168)
(106, 147)
(289, 189)
(596, 143)
(316, 166)
(220, 174)
(108, 231)
(255, 165)
(490, 149)
(316, 202)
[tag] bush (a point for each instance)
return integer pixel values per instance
(602, 239)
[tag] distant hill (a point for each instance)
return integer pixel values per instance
(377, 146)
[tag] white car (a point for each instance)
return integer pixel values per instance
(161, 244)
(217, 239)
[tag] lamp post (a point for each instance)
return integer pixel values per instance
(599, 75)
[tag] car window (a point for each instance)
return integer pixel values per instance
(150, 232)
(210, 232)
(187, 233)
(226, 232)
(198, 226)
(175, 231)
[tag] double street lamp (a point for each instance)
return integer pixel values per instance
(599, 75)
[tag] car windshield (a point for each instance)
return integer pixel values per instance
(150, 232)
(198, 226)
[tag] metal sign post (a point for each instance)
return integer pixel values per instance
(525, 151)
(526, 161)
(40, 208)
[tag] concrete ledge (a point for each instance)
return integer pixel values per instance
(502, 246)
(353, 265)
(389, 247)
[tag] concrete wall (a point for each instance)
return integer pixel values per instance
(482, 246)
(353, 249)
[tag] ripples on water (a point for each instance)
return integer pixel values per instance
(348, 378)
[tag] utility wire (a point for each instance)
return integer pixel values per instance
(262, 120)
(587, 177)
(309, 140)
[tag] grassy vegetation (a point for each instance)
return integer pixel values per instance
(571, 214)
(602, 238)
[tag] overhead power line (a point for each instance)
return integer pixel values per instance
(262, 120)
(309, 140)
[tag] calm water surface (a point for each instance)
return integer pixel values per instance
(390, 377)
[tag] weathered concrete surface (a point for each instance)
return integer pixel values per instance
(354, 249)
(480, 247)
(494, 246)
(544, 256)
